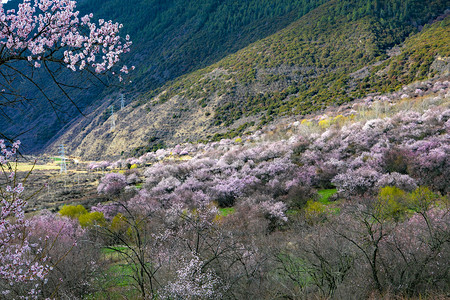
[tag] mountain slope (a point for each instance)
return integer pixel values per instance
(334, 54)
(175, 37)
(170, 38)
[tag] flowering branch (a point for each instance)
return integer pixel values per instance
(51, 33)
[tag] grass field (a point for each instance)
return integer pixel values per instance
(26, 167)
(226, 211)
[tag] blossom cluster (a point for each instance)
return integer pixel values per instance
(112, 183)
(36, 31)
(193, 235)
(193, 282)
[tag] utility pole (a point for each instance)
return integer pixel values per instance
(63, 159)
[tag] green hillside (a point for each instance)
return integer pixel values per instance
(175, 37)
(309, 65)
(414, 62)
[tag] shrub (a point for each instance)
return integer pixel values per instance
(356, 182)
(193, 281)
(326, 171)
(391, 203)
(396, 160)
(275, 212)
(133, 179)
(109, 210)
(324, 124)
(166, 185)
(417, 252)
(91, 219)
(225, 191)
(299, 148)
(299, 195)
(421, 199)
(339, 119)
(75, 258)
(119, 224)
(403, 182)
(431, 163)
(72, 211)
(23, 263)
(305, 122)
(315, 212)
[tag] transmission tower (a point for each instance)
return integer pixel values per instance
(63, 159)
(113, 119)
(122, 101)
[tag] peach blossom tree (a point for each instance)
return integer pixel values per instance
(51, 35)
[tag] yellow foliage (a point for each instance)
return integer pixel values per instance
(421, 199)
(134, 166)
(238, 140)
(91, 219)
(72, 211)
(394, 203)
(130, 232)
(119, 223)
(339, 119)
(315, 211)
(218, 218)
(306, 122)
(391, 203)
(324, 124)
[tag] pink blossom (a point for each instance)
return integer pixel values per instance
(112, 183)
(47, 25)
(193, 282)
(275, 210)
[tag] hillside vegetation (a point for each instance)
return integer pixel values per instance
(174, 37)
(335, 54)
(310, 65)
